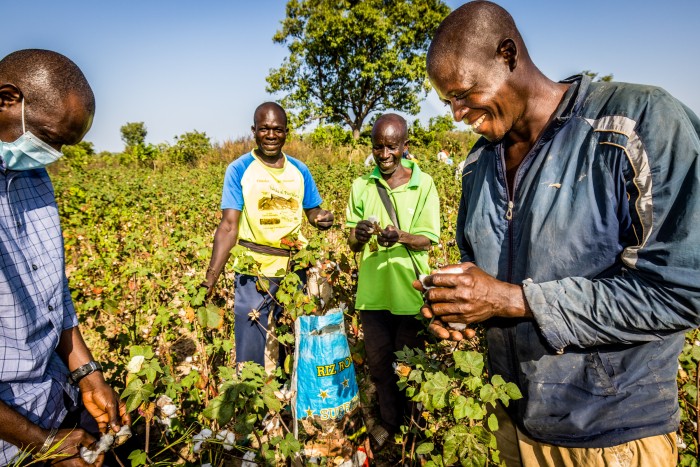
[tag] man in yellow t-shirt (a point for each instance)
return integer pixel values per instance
(265, 193)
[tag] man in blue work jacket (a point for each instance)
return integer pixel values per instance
(579, 247)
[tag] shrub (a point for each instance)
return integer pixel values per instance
(189, 148)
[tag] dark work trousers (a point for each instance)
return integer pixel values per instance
(251, 335)
(385, 334)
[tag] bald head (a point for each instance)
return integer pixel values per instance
(476, 30)
(267, 107)
(391, 120)
(48, 92)
(45, 78)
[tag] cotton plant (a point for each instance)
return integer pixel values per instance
(200, 438)
(166, 410)
(104, 444)
(226, 438)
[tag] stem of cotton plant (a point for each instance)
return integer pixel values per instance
(148, 437)
(260, 443)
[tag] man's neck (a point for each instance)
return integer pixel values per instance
(276, 161)
(399, 177)
(544, 97)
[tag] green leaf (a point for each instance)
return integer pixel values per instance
(492, 422)
(138, 457)
(488, 394)
(219, 409)
(136, 393)
(271, 401)
(211, 316)
(513, 391)
(469, 362)
(695, 353)
(453, 441)
(498, 381)
(473, 410)
(459, 407)
(437, 388)
(289, 445)
(145, 350)
(425, 448)
(152, 370)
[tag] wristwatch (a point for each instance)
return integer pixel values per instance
(90, 367)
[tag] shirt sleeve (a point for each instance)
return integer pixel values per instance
(232, 193)
(355, 211)
(312, 198)
(657, 293)
(427, 219)
(70, 318)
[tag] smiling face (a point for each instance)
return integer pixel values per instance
(270, 130)
(478, 94)
(388, 140)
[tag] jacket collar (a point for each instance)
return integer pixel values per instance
(570, 104)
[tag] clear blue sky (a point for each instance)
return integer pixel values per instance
(201, 65)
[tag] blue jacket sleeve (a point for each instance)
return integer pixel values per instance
(657, 291)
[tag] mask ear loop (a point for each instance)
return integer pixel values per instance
(23, 128)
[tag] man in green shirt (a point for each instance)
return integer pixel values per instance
(390, 261)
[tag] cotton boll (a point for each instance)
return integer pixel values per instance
(227, 438)
(122, 435)
(200, 438)
(248, 459)
(105, 443)
(202, 435)
(88, 455)
(169, 410)
(135, 364)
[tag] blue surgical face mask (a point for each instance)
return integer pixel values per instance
(27, 152)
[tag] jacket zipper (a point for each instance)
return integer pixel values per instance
(509, 276)
(509, 214)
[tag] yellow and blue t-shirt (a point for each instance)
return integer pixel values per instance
(271, 201)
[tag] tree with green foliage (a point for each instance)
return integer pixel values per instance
(189, 147)
(596, 76)
(437, 129)
(133, 134)
(350, 58)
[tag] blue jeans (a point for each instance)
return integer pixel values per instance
(251, 334)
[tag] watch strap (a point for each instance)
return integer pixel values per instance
(76, 375)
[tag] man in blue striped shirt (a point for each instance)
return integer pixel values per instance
(45, 102)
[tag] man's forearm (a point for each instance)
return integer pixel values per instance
(224, 241)
(17, 430)
(414, 242)
(355, 244)
(72, 349)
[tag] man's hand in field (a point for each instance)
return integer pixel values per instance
(320, 218)
(464, 294)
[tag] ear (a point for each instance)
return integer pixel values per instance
(509, 53)
(9, 95)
